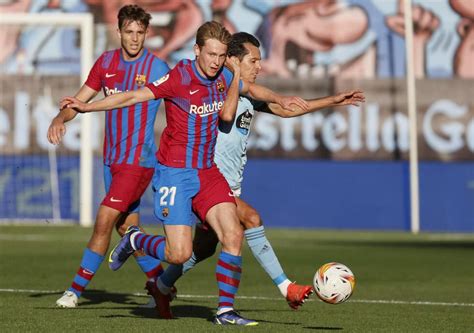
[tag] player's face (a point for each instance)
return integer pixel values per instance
(250, 64)
(132, 37)
(211, 57)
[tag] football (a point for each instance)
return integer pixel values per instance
(334, 283)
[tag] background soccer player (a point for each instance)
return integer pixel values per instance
(231, 157)
(129, 144)
(186, 177)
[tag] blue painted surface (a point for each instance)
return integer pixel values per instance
(370, 195)
(326, 194)
(360, 195)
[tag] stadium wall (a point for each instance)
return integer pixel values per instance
(287, 193)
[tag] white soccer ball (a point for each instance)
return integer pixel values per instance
(334, 283)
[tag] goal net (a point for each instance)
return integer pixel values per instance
(38, 181)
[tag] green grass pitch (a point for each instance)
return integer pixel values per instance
(405, 283)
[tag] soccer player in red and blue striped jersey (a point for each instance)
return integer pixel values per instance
(197, 94)
(129, 143)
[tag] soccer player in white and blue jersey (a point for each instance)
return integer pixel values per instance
(231, 157)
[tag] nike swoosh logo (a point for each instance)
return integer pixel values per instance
(107, 75)
(115, 200)
(230, 321)
(206, 115)
(192, 92)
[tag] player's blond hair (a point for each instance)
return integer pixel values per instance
(212, 30)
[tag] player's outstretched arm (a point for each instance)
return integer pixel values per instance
(110, 102)
(261, 93)
(232, 99)
(57, 128)
(353, 97)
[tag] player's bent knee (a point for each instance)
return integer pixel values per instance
(102, 229)
(252, 220)
(178, 256)
(233, 238)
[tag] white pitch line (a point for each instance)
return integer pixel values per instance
(262, 298)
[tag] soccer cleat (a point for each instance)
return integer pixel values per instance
(123, 250)
(297, 294)
(232, 317)
(152, 304)
(162, 301)
(67, 300)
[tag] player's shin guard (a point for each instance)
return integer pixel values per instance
(153, 246)
(89, 265)
(263, 252)
(228, 271)
(150, 266)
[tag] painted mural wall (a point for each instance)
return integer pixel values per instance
(319, 38)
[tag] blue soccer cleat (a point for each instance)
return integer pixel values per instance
(233, 318)
(123, 250)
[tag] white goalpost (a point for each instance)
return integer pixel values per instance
(85, 23)
(411, 94)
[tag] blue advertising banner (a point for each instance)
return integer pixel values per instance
(360, 195)
(287, 193)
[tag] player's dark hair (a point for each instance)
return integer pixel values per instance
(212, 30)
(236, 46)
(133, 13)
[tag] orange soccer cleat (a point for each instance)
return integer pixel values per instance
(297, 294)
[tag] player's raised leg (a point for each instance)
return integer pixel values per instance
(150, 266)
(174, 190)
(204, 246)
(262, 250)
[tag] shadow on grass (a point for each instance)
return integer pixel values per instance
(322, 328)
(92, 299)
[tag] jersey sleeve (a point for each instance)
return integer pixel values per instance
(159, 68)
(94, 80)
(228, 76)
(164, 87)
(259, 105)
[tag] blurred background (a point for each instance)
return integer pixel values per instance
(341, 168)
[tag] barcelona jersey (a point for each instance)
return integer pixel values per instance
(192, 103)
(129, 136)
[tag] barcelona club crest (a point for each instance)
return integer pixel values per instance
(220, 86)
(140, 79)
(165, 212)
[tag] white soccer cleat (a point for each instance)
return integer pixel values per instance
(67, 300)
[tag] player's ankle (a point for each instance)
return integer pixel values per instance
(164, 289)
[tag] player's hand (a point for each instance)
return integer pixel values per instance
(353, 97)
(73, 103)
(233, 63)
(286, 101)
(56, 131)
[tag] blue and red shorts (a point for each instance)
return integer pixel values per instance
(124, 186)
(181, 191)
